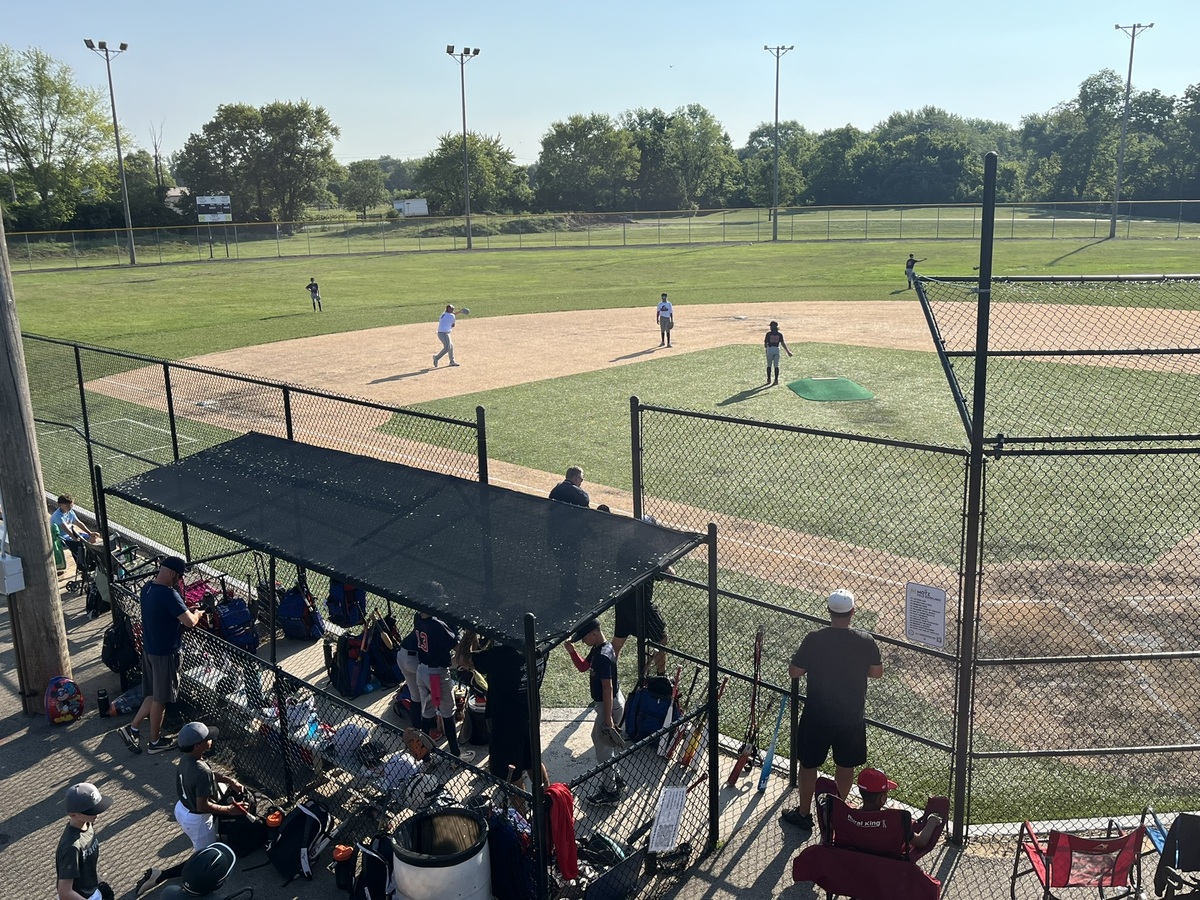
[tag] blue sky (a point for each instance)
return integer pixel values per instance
(381, 70)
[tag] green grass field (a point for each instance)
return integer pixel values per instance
(190, 309)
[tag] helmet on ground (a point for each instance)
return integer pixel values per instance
(207, 870)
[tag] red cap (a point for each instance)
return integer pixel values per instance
(875, 781)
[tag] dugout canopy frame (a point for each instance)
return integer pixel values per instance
(393, 529)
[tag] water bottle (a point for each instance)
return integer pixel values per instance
(314, 726)
(102, 703)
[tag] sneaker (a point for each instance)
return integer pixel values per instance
(620, 783)
(132, 739)
(162, 745)
(467, 755)
(605, 797)
(797, 818)
(148, 880)
(454, 365)
(435, 360)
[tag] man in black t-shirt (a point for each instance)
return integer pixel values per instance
(569, 491)
(837, 661)
(77, 857)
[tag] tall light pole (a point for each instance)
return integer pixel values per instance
(1133, 31)
(777, 52)
(463, 58)
(101, 48)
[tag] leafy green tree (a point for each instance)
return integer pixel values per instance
(271, 161)
(831, 177)
(701, 157)
(655, 186)
(56, 134)
(758, 163)
(586, 163)
(364, 186)
(497, 183)
(400, 174)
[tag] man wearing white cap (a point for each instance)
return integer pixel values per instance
(77, 857)
(837, 661)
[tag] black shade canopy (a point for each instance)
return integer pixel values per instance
(393, 529)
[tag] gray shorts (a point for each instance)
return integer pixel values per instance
(161, 676)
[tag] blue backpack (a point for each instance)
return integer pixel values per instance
(234, 624)
(298, 616)
(646, 709)
(346, 604)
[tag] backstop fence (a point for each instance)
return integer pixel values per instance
(82, 248)
(1063, 688)
(128, 413)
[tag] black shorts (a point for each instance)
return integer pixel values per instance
(849, 743)
(509, 745)
(626, 623)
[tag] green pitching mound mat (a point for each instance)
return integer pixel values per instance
(824, 390)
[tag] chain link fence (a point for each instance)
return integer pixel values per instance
(1146, 220)
(127, 413)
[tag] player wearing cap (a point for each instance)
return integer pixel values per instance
(199, 788)
(164, 616)
(77, 857)
(873, 785)
(772, 342)
(601, 666)
(664, 315)
(445, 326)
(837, 661)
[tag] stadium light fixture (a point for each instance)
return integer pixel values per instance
(101, 49)
(778, 53)
(1133, 31)
(462, 59)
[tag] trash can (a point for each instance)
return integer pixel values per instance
(442, 854)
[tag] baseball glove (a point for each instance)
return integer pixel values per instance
(612, 737)
(418, 742)
(464, 311)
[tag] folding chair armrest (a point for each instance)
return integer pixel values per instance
(1027, 829)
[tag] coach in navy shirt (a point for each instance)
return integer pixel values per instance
(569, 490)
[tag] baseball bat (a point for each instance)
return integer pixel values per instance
(770, 760)
(250, 817)
(700, 732)
(683, 731)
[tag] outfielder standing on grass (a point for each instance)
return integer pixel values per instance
(314, 291)
(664, 315)
(601, 666)
(837, 661)
(910, 270)
(772, 342)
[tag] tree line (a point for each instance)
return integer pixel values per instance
(277, 162)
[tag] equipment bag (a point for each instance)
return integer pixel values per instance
(346, 603)
(347, 664)
(244, 834)
(514, 875)
(646, 709)
(118, 652)
(298, 616)
(382, 658)
(374, 879)
(95, 605)
(64, 701)
(299, 840)
(235, 624)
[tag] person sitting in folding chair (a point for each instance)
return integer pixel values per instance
(72, 533)
(873, 786)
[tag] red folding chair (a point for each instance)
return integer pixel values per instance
(864, 855)
(1068, 860)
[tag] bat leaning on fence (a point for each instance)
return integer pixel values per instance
(770, 760)
(749, 748)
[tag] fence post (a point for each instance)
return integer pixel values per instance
(828, 222)
(794, 728)
(937, 232)
(75, 251)
(383, 234)
(537, 808)
(972, 544)
(87, 428)
(187, 543)
(287, 412)
(866, 223)
(481, 443)
(28, 253)
(902, 223)
(713, 724)
(635, 446)
(1012, 226)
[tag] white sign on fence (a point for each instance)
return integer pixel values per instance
(665, 834)
(213, 209)
(925, 614)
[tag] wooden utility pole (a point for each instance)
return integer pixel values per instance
(35, 614)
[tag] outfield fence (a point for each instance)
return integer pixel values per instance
(80, 248)
(1063, 688)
